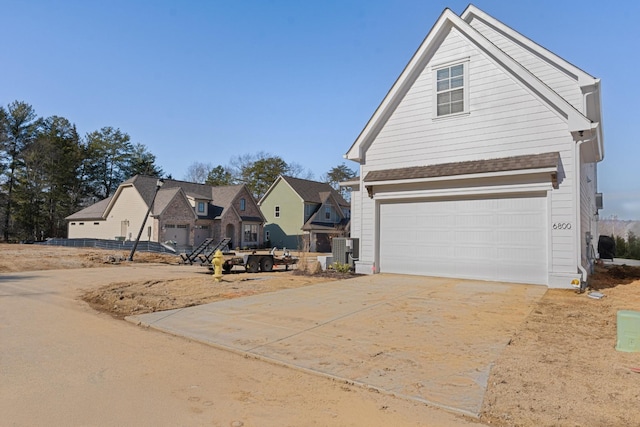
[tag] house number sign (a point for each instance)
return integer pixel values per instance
(562, 226)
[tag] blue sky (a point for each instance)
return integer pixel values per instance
(208, 80)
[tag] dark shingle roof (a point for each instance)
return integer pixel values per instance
(311, 191)
(197, 191)
(221, 197)
(94, 211)
(531, 161)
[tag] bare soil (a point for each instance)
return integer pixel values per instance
(560, 369)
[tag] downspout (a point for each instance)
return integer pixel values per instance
(577, 157)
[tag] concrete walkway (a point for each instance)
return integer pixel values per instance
(433, 340)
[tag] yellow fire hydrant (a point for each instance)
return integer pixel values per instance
(218, 260)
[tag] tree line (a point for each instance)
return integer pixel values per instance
(48, 171)
(629, 248)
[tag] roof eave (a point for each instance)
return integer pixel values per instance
(547, 170)
(402, 84)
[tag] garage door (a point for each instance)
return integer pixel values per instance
(178, 233)
(502, 239)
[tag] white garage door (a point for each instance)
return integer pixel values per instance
(502, 239)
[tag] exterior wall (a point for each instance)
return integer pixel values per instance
(178, 212)
(504, 119)
(128, 207)
(560, 82)
(232, 216)
(284, 231)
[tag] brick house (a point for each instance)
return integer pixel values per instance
(183, 212)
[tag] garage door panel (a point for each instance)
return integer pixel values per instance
(491, 239)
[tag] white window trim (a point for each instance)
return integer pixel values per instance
(434, 70)
(250, 225)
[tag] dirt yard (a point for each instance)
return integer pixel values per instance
(560, 369)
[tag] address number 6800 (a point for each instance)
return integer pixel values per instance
(562, 226)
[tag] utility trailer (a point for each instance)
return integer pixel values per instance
(255, 262)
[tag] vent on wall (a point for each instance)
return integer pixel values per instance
(599, 203)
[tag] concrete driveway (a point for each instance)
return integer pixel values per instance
(433, 340)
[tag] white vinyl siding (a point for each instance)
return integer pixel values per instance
(501, 239)
(504, 119)
(562, 83)
(129, 206)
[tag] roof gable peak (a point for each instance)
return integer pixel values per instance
(446, 22)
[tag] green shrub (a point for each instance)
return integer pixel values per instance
(341, 268)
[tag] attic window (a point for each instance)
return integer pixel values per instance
(276, 212)
(451, 90)
(243, 204)
(327, 212)
(200, 207)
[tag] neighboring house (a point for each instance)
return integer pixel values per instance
(183, 212)
(480, 162)
(303, 214)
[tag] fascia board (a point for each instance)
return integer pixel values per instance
(295, 192)
(115, 197)
(186, 200)
(278, 179)
(576, 121)
(244, 191)
(559, 63)
(338, 206)
(400, 87)
(352, 183)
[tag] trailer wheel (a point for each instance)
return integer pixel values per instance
(227, 267)
(266, 264)
(253, 265)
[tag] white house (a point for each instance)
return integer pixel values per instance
(480, 162)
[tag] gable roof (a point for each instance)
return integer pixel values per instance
(317, 222)
(561, 64)
(224, 196)
(191, 189)
(93, 212)
(166, 196)
(576, 121)
(309, 191)
(220, 198)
